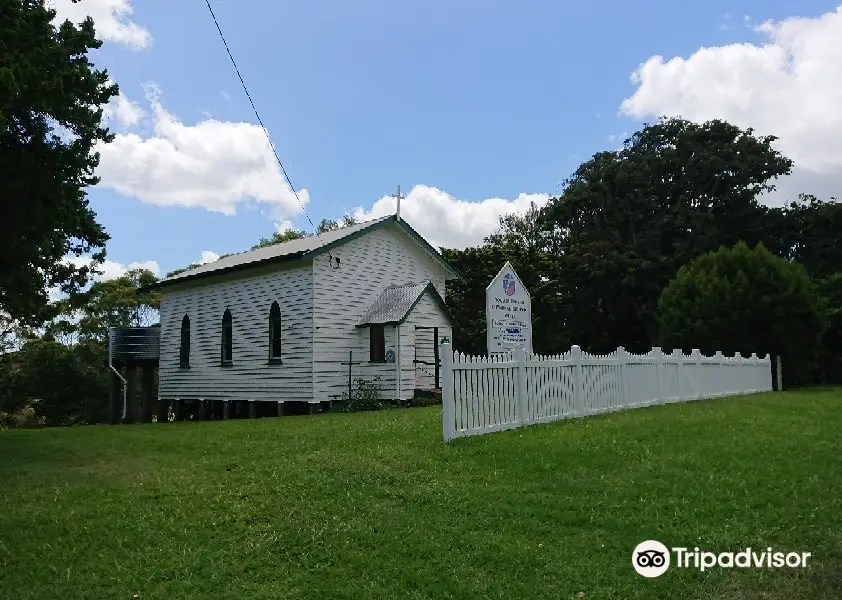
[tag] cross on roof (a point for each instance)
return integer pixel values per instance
(399, 198)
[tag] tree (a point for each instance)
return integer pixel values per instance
(51, 100)
(66, 385)
(813, 235)
(521, 241)
(12, 334)
(831, 347)
(287, 235)
(279, 237)
(745, 300)
(113, 303)
(326, 225)
(629, 219)
(191, 266)
(466, 300)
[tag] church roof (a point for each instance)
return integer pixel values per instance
(303, 248)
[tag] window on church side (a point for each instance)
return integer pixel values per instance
(275, 332)
(227, 338)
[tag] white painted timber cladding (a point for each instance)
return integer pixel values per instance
(249, 299)
(369, 264)
(426, 314)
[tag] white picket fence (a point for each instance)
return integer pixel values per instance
(482, 394)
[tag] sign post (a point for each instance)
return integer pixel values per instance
(508, 313)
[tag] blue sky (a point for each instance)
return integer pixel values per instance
(471, 101)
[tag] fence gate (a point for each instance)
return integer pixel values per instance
(427, 361)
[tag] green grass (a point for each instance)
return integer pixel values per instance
(376, 506)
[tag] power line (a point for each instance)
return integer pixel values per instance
(259, 120)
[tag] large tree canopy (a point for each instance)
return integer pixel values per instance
(627, 220)
(812, 235)
(51, 100)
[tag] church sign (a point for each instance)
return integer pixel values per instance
(508, 313)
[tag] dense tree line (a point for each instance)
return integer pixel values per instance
(662, 242)
(598, 257)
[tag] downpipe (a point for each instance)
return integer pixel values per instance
(116, 372)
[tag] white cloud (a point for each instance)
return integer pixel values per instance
(109, 270)
(208, 256)
(112, 270)
(216, 165)
(788, 87)
(447, 221)
(111, 20)
(126, 112)
(284, 225)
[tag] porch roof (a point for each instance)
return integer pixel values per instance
(394, 304)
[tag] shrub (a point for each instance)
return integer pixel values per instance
(70, 382)
(25, 416)
(364, 396)
(745, 300)
(422, 398)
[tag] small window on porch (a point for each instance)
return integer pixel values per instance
(377, 343)
(275, 333)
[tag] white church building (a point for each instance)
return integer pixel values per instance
(277, 323)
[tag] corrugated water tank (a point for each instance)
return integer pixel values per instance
(136, 343)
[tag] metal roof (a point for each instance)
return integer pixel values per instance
(291, 248)
(395, 303)
(298, 249)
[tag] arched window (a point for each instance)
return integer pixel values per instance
(227, 338)
(184, 350)
(275, 332)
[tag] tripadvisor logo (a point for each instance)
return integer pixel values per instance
(652, 559)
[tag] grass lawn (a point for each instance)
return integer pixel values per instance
(376, 506)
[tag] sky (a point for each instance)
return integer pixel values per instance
(475, 109)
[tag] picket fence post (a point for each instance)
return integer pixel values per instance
(767, 377)
(754, 371)
(697, 356)
(448, 402)
(522, 400)
(578, 380)
(678, 355)
(622, 360)
(720, 360)
(659, 370)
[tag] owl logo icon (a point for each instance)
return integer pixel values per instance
(651, 558)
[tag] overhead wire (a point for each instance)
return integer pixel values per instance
(260, 121)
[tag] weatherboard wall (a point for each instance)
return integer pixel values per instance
(368, 264)
(249, 300)
(426, 314)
